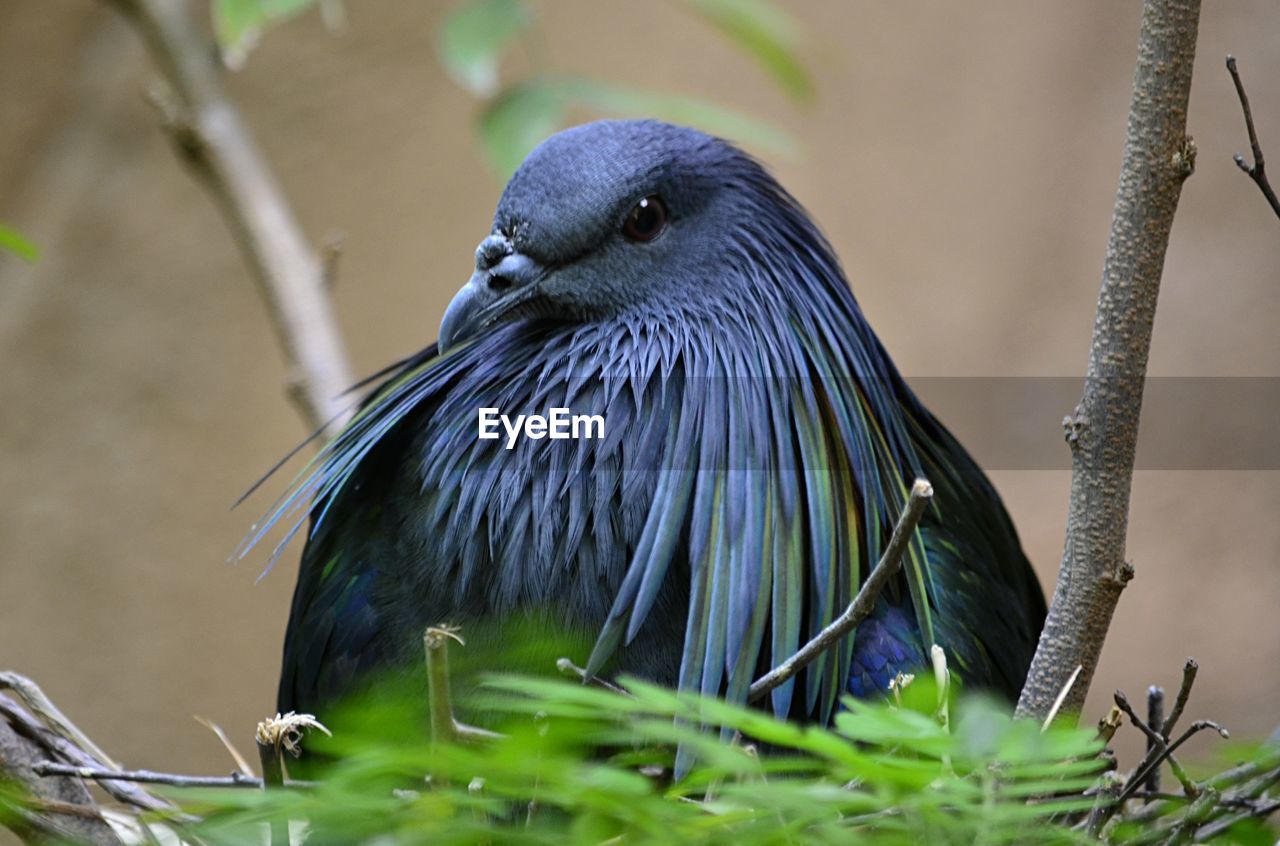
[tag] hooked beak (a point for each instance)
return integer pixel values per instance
(503, 280)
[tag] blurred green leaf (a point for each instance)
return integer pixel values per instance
(470, 41)
(766, 33)
(623, 101)
(525, 115)
(13, 241)
(238, 24)
(518, 120)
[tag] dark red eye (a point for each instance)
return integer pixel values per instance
(647, 220)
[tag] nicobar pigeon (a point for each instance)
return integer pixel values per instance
(758, 446)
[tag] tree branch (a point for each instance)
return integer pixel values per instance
(56, 809)
(862, 604)
(59, 739)
(1257, 172)
(1158, 157)
(212, 140)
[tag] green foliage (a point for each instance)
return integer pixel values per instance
(238, 24)
(525, 114)
(14, 241)
(514, 120)
(765, 33)
(579, 765)
(472, 38)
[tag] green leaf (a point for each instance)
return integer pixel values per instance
(525, 115)
(766, 33)
(238, 24)
(623, 101)
(13, 241)
(518, 120)
(472, 38)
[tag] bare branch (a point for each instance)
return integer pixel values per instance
(213, 141)
(236, 779)
(862, 604)
(567, 668)
(55, 744)
(1189, 671)
(1155, 719)
(1257, 171)
(1158, 157)
(61, 809)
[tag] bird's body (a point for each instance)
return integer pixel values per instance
(758, 445)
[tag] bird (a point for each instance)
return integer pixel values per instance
(757, 445)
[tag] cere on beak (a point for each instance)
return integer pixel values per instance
(503, 280)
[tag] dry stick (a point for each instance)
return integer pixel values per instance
(1189, 671)
(862, 604)
(1155, 719)
(571, 670)
(1217, 827)
(1062, 697)
(236, 779)
(51, 816)
(38, 702)
(1223, 782)
(1258, 171)
(55, 744)
(1159, 752)
(1166, 753)
(213, 141)
(1103, 432)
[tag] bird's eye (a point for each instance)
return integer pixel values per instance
(646, 220)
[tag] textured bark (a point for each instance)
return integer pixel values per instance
(1103, 432)
(62, 809)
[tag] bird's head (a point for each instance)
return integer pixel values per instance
(609, 216)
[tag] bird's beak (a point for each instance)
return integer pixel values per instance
(500, 283)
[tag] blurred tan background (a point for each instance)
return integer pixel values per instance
(962, 157)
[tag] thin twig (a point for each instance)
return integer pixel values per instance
(236, 779)
(59, 810)
(42, 706)
(1104, 805)
(241, 763)
(1166, 753)
(1217, 827)
(1197, 814)
(1160, 751)
(56, 745)
(1257, 172)
(1265, 773)
(571, 670)
(1062, 697)
(213, 141)
(862, 604)
(1189, 671)
(1155, 719)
